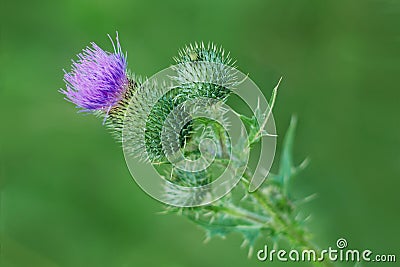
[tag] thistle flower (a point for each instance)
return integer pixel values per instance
(98, 79)
(99, 83)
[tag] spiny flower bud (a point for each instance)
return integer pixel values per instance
(200, 52)
(198, 74)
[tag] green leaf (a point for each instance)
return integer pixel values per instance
(253, 128)
(286, 167)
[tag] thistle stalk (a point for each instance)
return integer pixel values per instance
(277, 218)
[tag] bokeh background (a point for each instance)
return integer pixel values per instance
(67, 198)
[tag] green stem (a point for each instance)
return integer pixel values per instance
(276, 219)
(294, 237)
(239, 213)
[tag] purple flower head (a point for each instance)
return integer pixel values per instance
(98, 80)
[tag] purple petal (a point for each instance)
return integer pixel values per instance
(98, 78)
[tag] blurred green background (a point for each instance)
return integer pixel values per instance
(67, 198)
